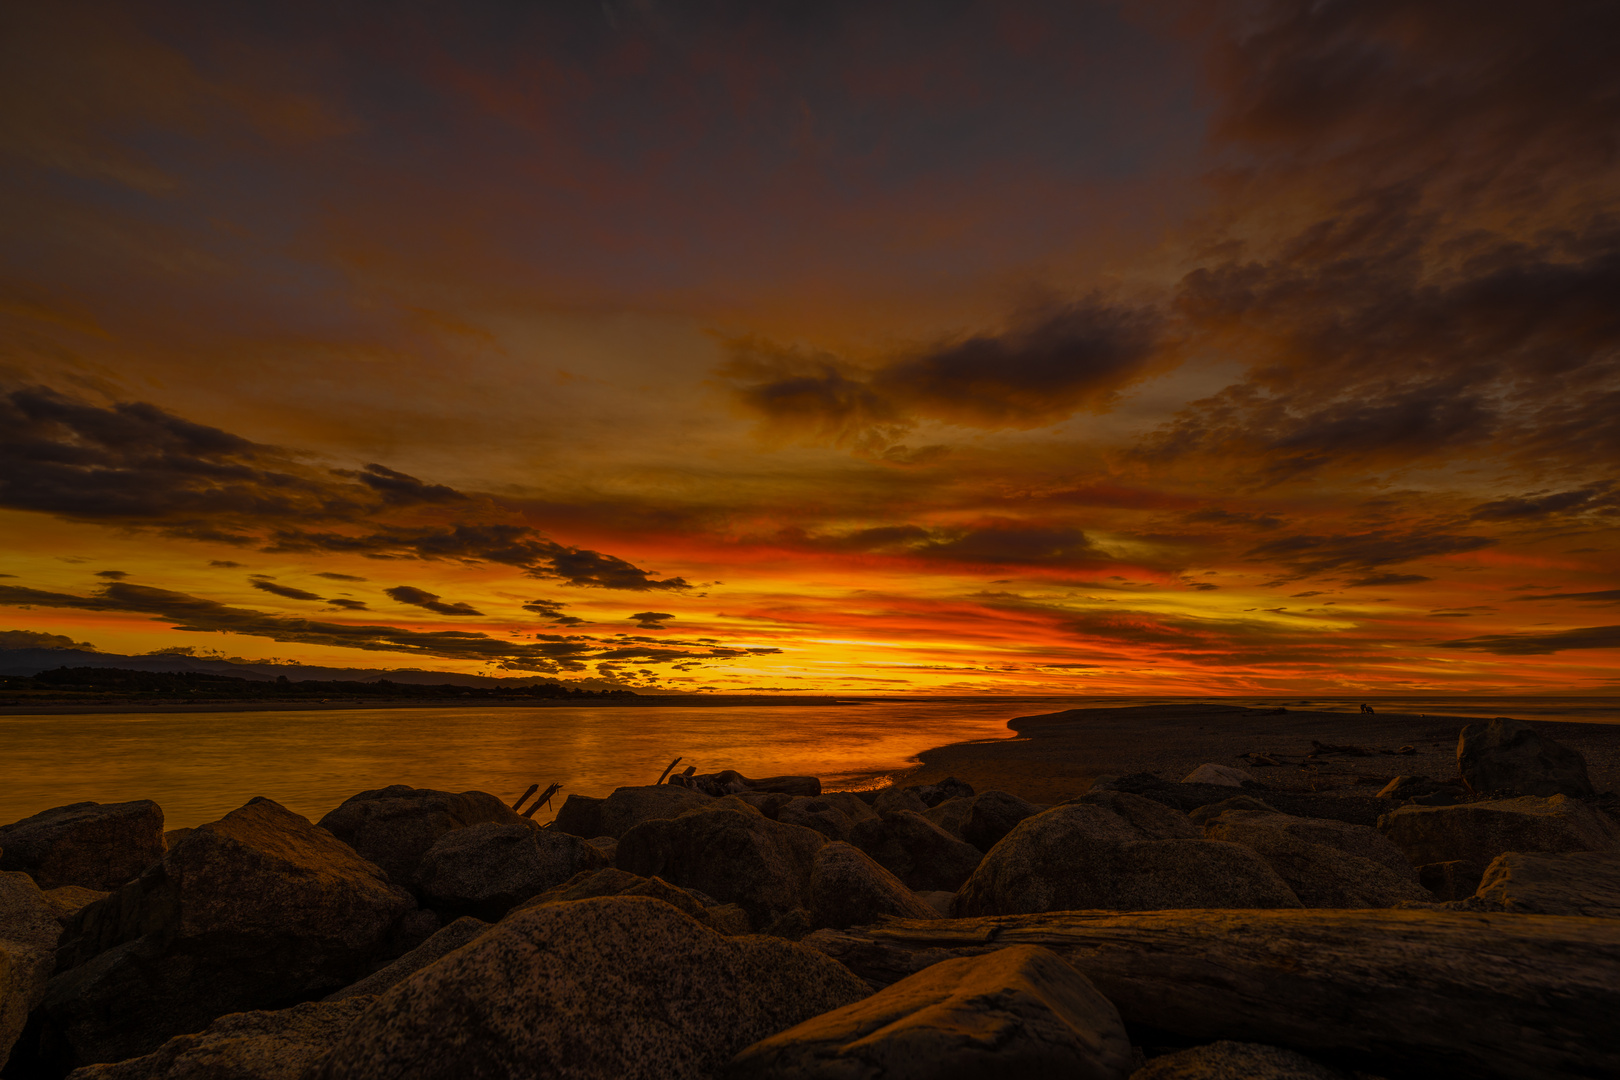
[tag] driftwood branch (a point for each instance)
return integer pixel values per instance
(665, 773)
(1511, 996)
(532, 789)
(543, 799)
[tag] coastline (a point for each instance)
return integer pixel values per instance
(649, 701)
(1057, 756)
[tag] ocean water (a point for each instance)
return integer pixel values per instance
(199, 766)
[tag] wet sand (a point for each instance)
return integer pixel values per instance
(1057, 756)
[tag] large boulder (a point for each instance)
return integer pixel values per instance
(276, 1045)
(1509, 756)
(1086, 855)
(627, 807)
(68, 900)
(483, 870)
(447, 940)
(92, 845)
(1219, 775)
(611, 881)
(992, 815)
(394, 826)
(254, 910)
(950, 815)
(891, 799)
(1020, 1011)
(1323, 876)
(1236, 1061)
(815, 813)
(1573, 883)
(916, 851)
(848, 889)
(1478, 832)
(742, 858)
(618, 988)
(28, 935)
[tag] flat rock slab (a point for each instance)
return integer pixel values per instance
(1575, 883)
(1476, 833)
(1019, 1011)
(1520, 997)
(276, 1045)
(620, 988)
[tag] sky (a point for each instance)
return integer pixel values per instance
(1021, 347)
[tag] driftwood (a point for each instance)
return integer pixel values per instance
(732, 782)
(523, 797)
(1435, 993)
(665, 773)
(543, 799)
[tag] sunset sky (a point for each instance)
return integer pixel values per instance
(1015, 347)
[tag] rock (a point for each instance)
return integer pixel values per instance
(1439, 993)
(767, 803)
(818, 814)
(891, 799)
(916, 851)
(445, 941)
(939, 900)
(616, 987)
(950, 815)
(790, 925)
(732, 782)
(68, 900)
(172, 837)
(747, 859)
(483, 870)
(28, 935)
(258, 908)
(1478, 832)
(1202, 816)
(992, 815)
(1016, 1012)
(243, 1046)
(607, 845)
(1453, 880)
(394, 826)
(1406, 787)
(1220, 775)
(1509, 756)
(848, 889)
(626, 808)
(949, 788)
(611, 881)
(1573, 883)
(1150, 820)
(1322, 876)
(92, 845)
(1085, 855)
(1355, 809)
(1240, 826)
(1235, 1061)
(850, 804)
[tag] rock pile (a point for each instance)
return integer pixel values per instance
(768, 928)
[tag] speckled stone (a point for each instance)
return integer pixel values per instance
(1017, 1012)
(394, 826)
(93, 845)
(617, 988)
(484, 870)
(1235, 1061)
(848, 889)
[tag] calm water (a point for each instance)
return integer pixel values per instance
(199, 766)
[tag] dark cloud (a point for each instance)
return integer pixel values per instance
(406, 594)
(347, 604)
(35, 639)
(552, 610)
(331, 576)
(134, 464)
(511, 545)
(1602, 596)
(112, 575)
(651, 620)
(547, 653)
(1387, 579)
(1243, 518)
(1047, 366)
(399, 489)
(225, 564)
(1308, 555)
(1546, 504)
(1533, 644)
(996, 541)
(288, 591)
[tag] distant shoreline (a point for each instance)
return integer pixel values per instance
(647, 701)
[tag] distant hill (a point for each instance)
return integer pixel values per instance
(19, 662)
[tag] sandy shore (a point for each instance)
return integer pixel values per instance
(1057, 756)
(647, 701)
